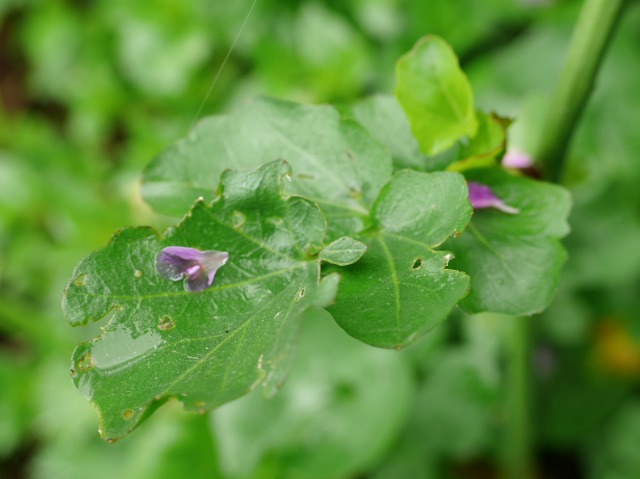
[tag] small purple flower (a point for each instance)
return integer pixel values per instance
(481, 196)
(197, 268)
(517, 159)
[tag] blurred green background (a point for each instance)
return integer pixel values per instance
(92, 90)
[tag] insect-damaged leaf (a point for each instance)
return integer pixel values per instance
(401, 289)
(514, 260)
(335, 162)
(202, 348)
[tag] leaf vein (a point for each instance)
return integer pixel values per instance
(394, 280)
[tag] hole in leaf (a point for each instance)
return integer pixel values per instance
(417, 264)
(81, 280)
(86, 362)
(165, 323)
(300, 294)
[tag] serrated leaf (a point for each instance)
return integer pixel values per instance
(206, 348)
(514, 260)
(335, 162)
(435, 95)
(401, 289)
(343, 251)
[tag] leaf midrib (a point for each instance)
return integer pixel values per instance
(395, 282)
(231, 335)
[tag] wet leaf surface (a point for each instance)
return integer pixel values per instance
(202, 348)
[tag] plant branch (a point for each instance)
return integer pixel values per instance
(591, 36)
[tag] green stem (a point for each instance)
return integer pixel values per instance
(591, 36)
(518, 461)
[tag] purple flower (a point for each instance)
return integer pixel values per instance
(517, 159)
(481, 196)
(197, 268)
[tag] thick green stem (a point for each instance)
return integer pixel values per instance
(591, 35)
(518, 461)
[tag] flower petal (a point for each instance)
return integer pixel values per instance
(481, 196)
(517, 159)
(171, 265)
(198, 281)
(197, 268)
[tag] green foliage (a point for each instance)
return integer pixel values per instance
(329, 419)
(90, 91)
(435, 95)
(343, 251)
(401, 288)
(334, 161)
(514, 261)
(487, 145)
(614, 457)
(384, 119)
(394, 285)
(218, 335)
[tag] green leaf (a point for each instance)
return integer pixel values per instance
(436, 95)
(514, 260)
(604, 241)
(207, 348)
(485, 147)
(455, 405)
(343, 251)
(384, 119)
(611, 453)
(401, 289)
(16, 401)
(329, 420)
(336, 163)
